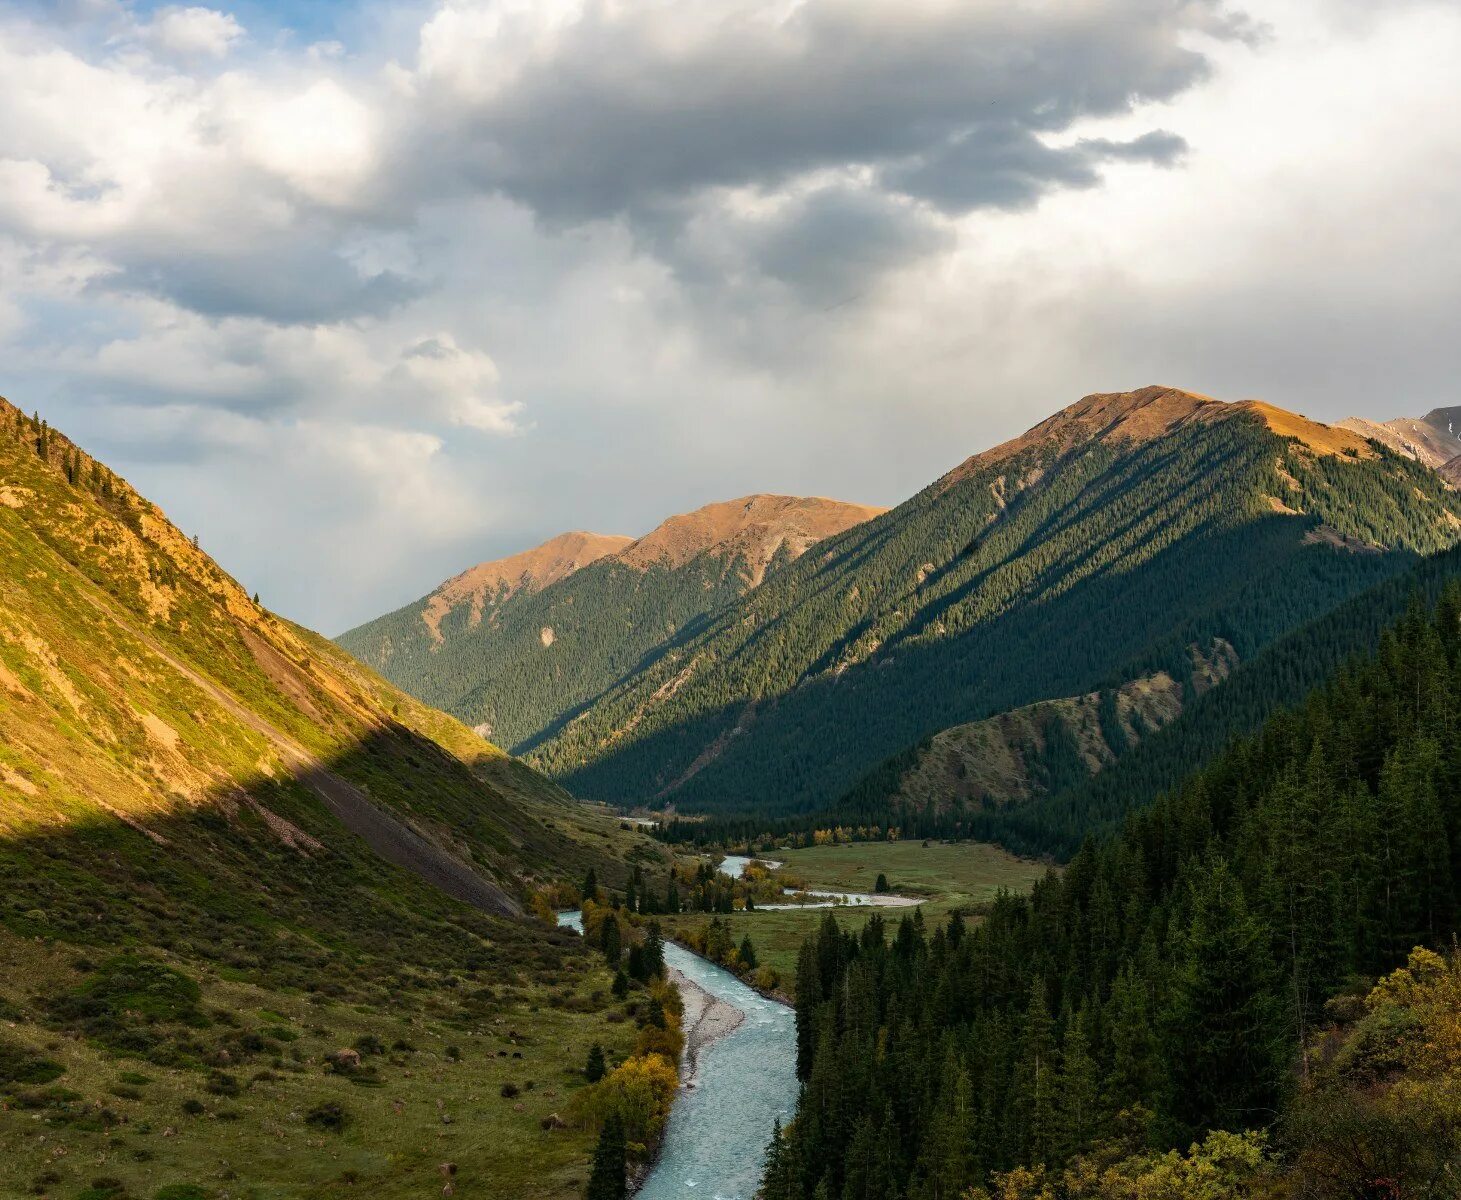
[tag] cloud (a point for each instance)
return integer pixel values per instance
(192, 32)
(482, 270)
(588, 111)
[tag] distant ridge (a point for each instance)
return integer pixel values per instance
(531, 570)
(516, 645)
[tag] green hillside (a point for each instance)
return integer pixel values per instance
(227, 852)
(1099, 548)
(518, 647)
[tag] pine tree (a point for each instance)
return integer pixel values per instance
(748, 953)
(612, 941)
(1034, 1085)
(607, 1180)
(1222, 1023)
(596, 1068)
(1078, 1095)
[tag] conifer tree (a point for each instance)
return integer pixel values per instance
(607, 1180)
(1222, 1024)
(596, 1068)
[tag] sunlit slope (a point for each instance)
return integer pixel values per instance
(139, 681)
(1097, 548)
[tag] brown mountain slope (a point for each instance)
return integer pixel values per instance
(754, 528)
(1432, 440)
(530, 571)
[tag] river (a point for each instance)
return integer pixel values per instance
(735, 865)
(718, 1131)
(715, 1142)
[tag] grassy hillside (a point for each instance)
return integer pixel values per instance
(1096, 549)
(519, 647)
(227, 852)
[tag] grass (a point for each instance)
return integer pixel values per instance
(241, 1128)
(947, 876)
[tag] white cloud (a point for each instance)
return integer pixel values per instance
(192, 32)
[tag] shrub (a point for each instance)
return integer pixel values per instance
(328, 1114)
(180, 1191)
(21, 1065)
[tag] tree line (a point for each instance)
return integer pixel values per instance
(1164, 984)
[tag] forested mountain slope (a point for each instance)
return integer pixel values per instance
(1083, 764)
(1207, 969)
(1037, 750)
(1097, 548)
(514, 648)
(207, 814)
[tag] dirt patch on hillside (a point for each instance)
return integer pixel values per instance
(1327, 535)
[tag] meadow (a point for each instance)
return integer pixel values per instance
(944, 875)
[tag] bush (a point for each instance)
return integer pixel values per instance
(328, 1114)
(21, 1065)
(368, 1043)
(180, 1191)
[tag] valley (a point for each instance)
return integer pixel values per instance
(278, 927)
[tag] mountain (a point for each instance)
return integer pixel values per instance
(227, 851)
(1043, 748)
(1434, 439)
(1096, 549)
(1055, 799)
(516, 646)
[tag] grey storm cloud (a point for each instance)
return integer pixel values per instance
(947, 102)
(1007, 166)
(290, 285)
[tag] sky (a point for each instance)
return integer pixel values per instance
(362, 293)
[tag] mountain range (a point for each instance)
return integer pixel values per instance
(516, 645)
(1135, 544)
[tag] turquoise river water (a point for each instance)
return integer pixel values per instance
(718, 1131)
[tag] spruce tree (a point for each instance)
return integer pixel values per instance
(1223, 1027)
(596, 1068)
(607, 1180)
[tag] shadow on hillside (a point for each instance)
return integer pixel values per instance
(390, 853)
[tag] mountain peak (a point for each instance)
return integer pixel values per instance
(1433, 440)
(1152, 412)
(530, 570)
(755, 527)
